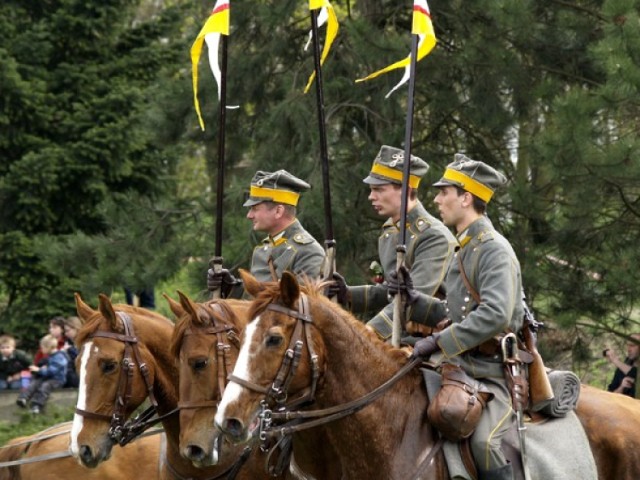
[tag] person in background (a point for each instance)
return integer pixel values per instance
(624, 378)
(49, 375)
(71, 327)
(12, 362)
(272, 203)
(56, 329)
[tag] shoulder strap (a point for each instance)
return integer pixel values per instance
(474, 293)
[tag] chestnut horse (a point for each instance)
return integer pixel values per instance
(206, 344)
(390, 437)
(124, 359)
(143, 452)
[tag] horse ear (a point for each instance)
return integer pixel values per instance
(251, 285)
(175, 307)
(85, 312)
(107, 311)
(189, 307)
(289, 289)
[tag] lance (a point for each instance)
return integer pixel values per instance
(216, 261)
(329, 243)
(399, 307)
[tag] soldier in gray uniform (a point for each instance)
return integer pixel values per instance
(430, 245)
(493, 271)
(272, 202)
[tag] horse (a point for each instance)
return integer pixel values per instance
(206, 343)
(143, 452)
(387, 438)
(123, 360)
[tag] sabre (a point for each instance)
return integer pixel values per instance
(512, 360)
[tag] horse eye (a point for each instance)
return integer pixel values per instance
(109, 367)
(274, 341)
(199, 364)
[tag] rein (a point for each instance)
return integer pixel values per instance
(122, 432)
(327, 415)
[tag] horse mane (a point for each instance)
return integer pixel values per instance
(92, 324)
(206, 316)
(314, 289)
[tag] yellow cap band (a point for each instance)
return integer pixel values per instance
(278, 196)
(469, 184)
(378, 169)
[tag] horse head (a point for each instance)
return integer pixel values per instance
(206, 343)
(281, 355)
(118, 368)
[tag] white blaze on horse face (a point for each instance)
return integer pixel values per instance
(241, 370)
(82, 397)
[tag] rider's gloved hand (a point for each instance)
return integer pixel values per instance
(338, 288)
(425, 347)
(402, 283)
(222, 280)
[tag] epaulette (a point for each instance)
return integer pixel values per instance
(422, 224)
(303, 238)
(485, 236)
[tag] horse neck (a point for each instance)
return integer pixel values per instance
(392, 428)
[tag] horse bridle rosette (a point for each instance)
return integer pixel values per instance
(130, 359)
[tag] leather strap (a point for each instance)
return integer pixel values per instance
(474, 293)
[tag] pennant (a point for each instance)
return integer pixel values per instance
(217, 24)
(326, 15)
(422, 27)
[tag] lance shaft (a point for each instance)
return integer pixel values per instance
(216, 262)
(329, 265)
(399, 305)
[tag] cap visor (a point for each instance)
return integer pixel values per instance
(371, 180)
(444, 183)
(250, 202)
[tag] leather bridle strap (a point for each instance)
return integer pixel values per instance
(278, 390)
(222, 354)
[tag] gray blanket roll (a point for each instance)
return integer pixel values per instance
(566, 389)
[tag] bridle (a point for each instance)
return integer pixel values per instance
(278, 392)
(119, 430)
(226, 334)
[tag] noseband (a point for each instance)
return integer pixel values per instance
(225, 334)
(130, 359)
(278, 392)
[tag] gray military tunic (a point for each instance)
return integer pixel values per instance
(430, 248)
(494, 271)
(294, 250)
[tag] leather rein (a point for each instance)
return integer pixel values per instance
(121, 431)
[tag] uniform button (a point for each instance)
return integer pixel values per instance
(386, 235)
(448, 310)
(466, 299)
(413, 236)
(289, 247)
(266, 248)
(464, 309)
(462, 317)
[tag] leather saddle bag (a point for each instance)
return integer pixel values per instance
(457, 407)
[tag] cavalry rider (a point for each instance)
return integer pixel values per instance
(272, 202)
(430, 245)
(493, 272)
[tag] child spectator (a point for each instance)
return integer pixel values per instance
(12, 362)
(51, 374)
(71, 327)
(56, 329)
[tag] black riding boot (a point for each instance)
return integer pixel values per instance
(501, 473)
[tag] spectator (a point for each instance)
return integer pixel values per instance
(12, 362)
(624, 378)
(71, 327)
(49, 375)
(56, 329)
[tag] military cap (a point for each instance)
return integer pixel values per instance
(388, 168)
(278, 187)
(474, 176)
